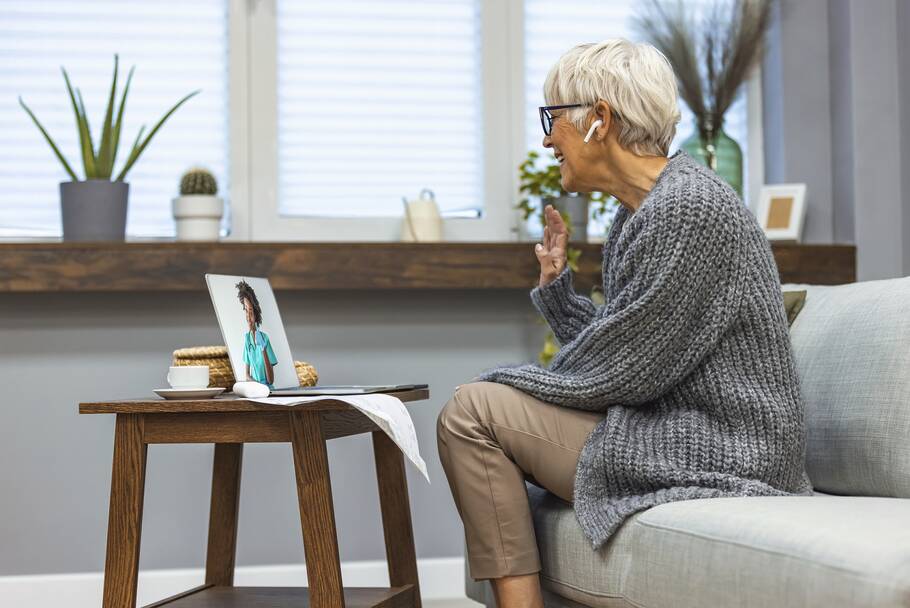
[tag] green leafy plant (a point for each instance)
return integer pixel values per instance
(198, 181)
(99, 164)
(538, 183)
(546, 182)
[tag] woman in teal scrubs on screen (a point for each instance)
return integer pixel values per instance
(257, 349)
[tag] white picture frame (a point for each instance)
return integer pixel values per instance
(782, 211)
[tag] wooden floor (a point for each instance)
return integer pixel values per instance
(297, 597)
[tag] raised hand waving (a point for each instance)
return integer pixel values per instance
(552, 252)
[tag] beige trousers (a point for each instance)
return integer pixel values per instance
(491, 439)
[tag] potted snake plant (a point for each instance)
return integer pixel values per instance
(94, 208)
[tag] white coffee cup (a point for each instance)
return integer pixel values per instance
(188, 376)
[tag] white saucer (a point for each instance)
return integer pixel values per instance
(188, 393)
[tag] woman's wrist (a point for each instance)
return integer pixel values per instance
(548, 277)
(545, 280)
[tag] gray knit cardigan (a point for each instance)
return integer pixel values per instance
(689, 358)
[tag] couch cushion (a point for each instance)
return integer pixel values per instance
(793, 303)
(780, 551)
(852, 348)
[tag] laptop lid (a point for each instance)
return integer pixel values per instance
(251, 326)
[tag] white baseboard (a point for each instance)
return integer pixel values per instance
(440, 578)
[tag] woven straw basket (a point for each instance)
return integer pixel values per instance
(220, 372)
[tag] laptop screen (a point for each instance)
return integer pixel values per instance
(252, 330)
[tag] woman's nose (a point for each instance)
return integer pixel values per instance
(547, 142)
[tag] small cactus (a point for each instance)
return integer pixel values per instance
(198, 181)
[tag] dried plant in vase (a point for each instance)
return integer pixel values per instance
(712, 58)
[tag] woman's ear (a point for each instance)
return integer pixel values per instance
(604, 114)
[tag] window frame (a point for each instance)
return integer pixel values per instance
(260, 219)
(254, 141)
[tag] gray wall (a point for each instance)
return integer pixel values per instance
(55, 465)
(796, 118)
(837, 117)
(903, 76)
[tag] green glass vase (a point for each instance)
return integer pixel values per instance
(728, 157)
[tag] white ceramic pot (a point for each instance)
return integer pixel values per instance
(422, 221)
(198, 217)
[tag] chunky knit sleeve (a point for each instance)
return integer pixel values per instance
(566, 312)
(676, 288)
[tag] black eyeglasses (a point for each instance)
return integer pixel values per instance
(546, 119)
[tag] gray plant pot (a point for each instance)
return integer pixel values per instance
(576, 207)
(94, 210)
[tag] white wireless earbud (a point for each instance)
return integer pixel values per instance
(596, 124)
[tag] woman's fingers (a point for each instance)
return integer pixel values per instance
(555, 227)
(558, 226)
(552, 253)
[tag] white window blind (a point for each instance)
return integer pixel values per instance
(176, 46)
(552, 28)
(376, 101)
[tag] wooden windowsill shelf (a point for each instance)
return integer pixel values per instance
(32, 267)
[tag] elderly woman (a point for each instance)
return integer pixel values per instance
(681, 386)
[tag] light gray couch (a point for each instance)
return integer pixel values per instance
(849, 545)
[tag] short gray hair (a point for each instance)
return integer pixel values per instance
(635, 79)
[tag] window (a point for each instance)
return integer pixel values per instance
(356, 104)
(338, 109)
(378, 100)
(553, 28)
(173, 56)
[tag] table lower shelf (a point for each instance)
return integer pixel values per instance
(281, 597)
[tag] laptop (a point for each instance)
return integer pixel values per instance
(257, 345)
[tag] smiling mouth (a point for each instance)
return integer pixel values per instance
(560, 158)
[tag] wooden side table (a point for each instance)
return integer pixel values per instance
(229, 422)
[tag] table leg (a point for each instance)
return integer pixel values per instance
(317, 514)
(124, 526)
(396, 513)
(223, 513)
